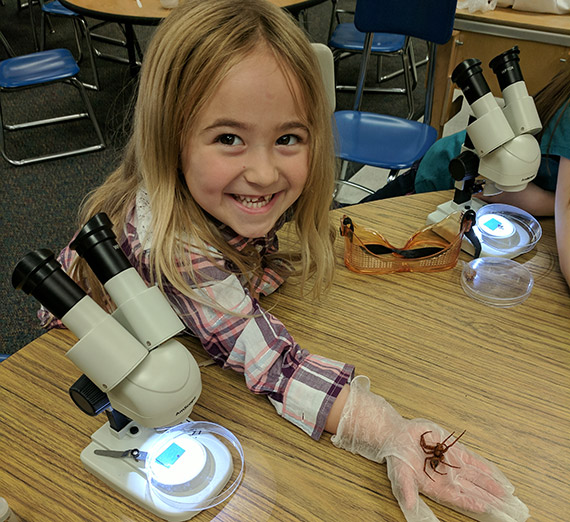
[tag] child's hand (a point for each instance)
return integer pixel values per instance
(453, 476)
(473, 486)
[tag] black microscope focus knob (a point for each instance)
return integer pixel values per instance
(87, 397)
(464, 165)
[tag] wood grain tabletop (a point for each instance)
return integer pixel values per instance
(501, 374)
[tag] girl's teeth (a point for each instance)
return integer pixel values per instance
(253, 202)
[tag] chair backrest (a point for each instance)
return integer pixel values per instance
(430, 20)
(326, 65)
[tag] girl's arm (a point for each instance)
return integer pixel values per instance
(562, 217)
(532, 199)
(241, 335)
(333, 419)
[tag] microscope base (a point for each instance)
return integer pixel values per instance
(525, 233)
(131, 477)
(449, 207)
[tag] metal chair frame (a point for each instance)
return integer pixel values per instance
(394, 16)
(80, 29)
(405, 54)
(71, 80)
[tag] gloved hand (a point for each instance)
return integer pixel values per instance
(463, 481)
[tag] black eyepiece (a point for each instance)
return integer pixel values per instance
(96, 243)
(506, 67)
(40, 275)
(468, 76)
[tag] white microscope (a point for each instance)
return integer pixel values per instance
(145, 381)
(501, 148)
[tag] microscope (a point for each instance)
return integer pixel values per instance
(500, 152)
(146, 382)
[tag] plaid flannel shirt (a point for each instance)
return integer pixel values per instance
(301, 386)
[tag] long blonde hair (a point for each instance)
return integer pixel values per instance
(191, 52)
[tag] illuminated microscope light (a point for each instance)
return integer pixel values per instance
(187, 468)
(496, 226)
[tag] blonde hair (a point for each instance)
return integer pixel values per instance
(191, 52)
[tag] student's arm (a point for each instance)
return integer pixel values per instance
(333, 419)
(533, 199)
(562, 216)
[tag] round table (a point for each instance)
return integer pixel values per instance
(149, 12)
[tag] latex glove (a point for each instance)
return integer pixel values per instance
(370, 427)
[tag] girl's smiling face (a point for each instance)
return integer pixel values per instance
(246, 160)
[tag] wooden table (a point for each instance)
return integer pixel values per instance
(501, 374)
(151, 12)
(544, 41)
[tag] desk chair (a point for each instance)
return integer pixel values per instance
(80, 29)
(345, 40)
(379, 140)
(37, 70)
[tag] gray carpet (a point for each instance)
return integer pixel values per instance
(39, 203)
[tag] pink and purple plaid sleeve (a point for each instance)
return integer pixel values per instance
(242, 336)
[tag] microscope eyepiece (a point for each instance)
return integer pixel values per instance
(468, 76)
(506, 67)
(39, 274)
(96, 243)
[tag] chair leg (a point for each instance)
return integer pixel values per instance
(362, 72)
(77, 36)
(342, 180)
(34, 32)
(84, 29)
(7, 45)
(43, 19)
(90, 112)
(409, 88)
(42, 31)
(61, 119)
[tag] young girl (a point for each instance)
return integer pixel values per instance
(232, 137)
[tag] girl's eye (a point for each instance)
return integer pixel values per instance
(229, 139)
(288, 139)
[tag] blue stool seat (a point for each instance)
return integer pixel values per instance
(56, 8)
(35, 68)
(382, 141)
(346, 36)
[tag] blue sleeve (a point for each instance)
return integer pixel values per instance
(433, 171)
(554, 144)
(555, 140)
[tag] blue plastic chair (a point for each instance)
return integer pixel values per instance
(383, 141)
(346, 40)
(55, 8)
(36, 70)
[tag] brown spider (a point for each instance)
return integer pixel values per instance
(435, 453)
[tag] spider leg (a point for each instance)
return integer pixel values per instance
(425, 462)
(449, 465)
(455, 439)
(426, 447)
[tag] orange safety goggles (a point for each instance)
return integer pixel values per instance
(431, 249)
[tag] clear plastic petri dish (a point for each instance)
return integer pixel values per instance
(496, 281)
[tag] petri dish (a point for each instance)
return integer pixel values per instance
(508, 230)
(496, 281)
